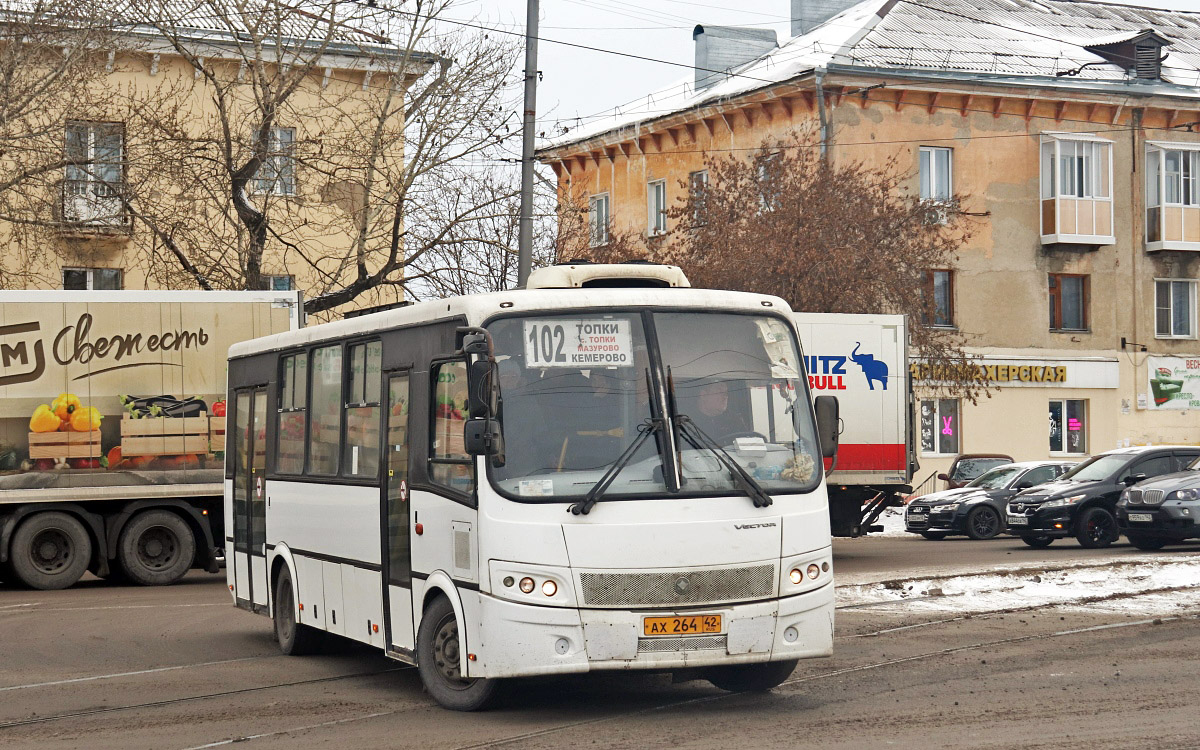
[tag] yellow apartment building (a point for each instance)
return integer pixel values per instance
(152, 106)
(1068, 127)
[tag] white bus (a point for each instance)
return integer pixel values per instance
(603, 471)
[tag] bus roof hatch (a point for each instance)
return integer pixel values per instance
(576, 275)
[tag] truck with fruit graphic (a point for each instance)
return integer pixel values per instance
(112, 429)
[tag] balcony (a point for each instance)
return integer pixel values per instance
(93, 207)
(1076, 190)
(1172, 228)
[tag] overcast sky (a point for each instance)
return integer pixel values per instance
(578, 82)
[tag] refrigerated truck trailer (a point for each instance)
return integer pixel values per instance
(863, 360)
(112, 428)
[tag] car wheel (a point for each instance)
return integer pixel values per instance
(934, 536)
(983, 523)
(156, 548)
(1148, 543)
(1096, 528)
(294, 639)
(50, 551)
(752, 678)
(1037, 542)
(439, 658)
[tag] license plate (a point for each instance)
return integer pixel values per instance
(917, 516)
(685, 625)
(1141, 517)
(1018, 521)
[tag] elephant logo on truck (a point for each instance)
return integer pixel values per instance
(873, 369)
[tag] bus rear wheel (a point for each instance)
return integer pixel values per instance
(50, 551)
(156, 548)
(752, 678)
(439, 659)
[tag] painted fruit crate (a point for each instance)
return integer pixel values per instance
(64, 444)
(164, 436)
(216, 434)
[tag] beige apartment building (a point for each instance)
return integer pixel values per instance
(94, 227)
(1067, 127)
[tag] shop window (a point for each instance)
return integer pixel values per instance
(656, 208)
(1172, 196)
(1076, 189)
(598, 219)
(450, 465)
(1174, 309)
(940, 426)
(360, 455)
(290, 419)
(1068, 302)
(325, 410)
(1068, 425)
(939, 285)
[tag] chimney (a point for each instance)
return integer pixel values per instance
(809, 14)
(722, 48)
(1139, 53)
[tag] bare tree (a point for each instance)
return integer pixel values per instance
(342, 144)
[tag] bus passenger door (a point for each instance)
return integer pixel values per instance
(396, 521)
(249, 497)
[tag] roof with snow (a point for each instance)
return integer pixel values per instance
(1013, 42)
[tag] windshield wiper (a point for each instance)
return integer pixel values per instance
(700, 440)
(645, 430)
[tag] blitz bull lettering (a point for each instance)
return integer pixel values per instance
(826, 373)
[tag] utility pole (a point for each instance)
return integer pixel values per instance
(525, 236)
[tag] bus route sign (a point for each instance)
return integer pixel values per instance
(602, 342)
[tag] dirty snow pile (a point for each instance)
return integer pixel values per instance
(1167, 587)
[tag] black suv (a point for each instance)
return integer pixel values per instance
(1161, 510)
(1082, 503)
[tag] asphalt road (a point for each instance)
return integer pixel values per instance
(99, 666)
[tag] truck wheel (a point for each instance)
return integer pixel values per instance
(1037, 542)
(294, 638)
(752, 678)
(983, 523)
(1148, 543)
(1097, 528)
(438, 658)
(156, 548)
(50, 551)
(934, 536)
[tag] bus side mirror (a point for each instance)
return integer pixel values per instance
(481, 388)
(482, 437)
(827, 424)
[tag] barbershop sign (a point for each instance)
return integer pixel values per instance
(1004, 373)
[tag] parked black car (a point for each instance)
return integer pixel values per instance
(978, 509)
(969, 466)
(1163, 509)
(1083, 502)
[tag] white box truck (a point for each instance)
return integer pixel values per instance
(112, 429)
(863, 360)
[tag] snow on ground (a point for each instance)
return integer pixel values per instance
(892, 520)
(1150, 588)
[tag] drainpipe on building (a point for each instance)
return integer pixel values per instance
(1138, 204)
(820, 93)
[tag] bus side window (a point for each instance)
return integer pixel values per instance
(449, 463)
(361, 451)
(325, 411)
(289, 432)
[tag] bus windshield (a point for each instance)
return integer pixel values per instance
(577, 389)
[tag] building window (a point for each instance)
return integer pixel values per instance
(92, 278)
(1068, 302)
(92, 182)
(940, 427)
(936, 165)
(1172, 197)
(939, 285)
(293, 392)
(279, 283)
(1076, 194)
(1174, 309)
(598, 219)
(697, 191)
(656, 207)
(277, 175)
(1068, 425)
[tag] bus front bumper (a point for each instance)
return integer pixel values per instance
(521, 640)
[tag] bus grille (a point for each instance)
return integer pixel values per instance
(690, 643)
(677, 587)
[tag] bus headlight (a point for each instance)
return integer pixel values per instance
(526, 585)
(796, 576)
(805, 572)
(549, 588)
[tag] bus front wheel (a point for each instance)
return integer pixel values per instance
(752, 678)
(294, 638)
(439, 658)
